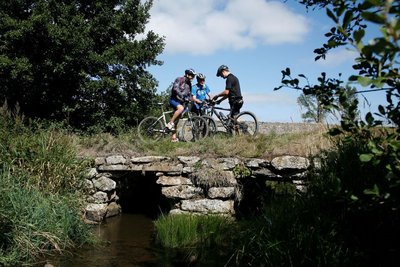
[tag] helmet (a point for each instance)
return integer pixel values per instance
(190, 72)
(220, 69)
(201, 76)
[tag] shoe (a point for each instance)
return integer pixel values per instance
(175, 140)
(170, 126)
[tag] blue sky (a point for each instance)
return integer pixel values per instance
(256, 39)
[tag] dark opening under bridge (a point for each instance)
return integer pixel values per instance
(157, 184)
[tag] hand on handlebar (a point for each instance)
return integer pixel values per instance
(210, 102)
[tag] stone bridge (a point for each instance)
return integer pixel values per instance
(160, 185)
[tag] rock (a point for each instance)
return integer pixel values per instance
(117, 167)
(181, 191)
(208, 206)
(173, 180)
(104, 184)
(117, 159)
(100, 197)
(290, 163)
(255, 163)
(221, 192)
(113, 209)
(148, 159)
(228, 163)
(95, 212)
(189, 161)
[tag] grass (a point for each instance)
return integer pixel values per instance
(41, 188)
(262, 146)
(189, 231)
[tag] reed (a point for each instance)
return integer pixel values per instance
(41, 184)
(189, 231)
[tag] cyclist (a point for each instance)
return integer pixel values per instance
(200, 92)
(180, 93)
(231, 91)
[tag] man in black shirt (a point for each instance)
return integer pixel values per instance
(231, 91)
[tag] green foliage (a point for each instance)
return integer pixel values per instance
(200, 239)
(43, 158)
(281, 188)
(241, 171)
(78, 61)
(41, 185)
(359, 180)
(315, 111)
(179, 231)
(33, 222)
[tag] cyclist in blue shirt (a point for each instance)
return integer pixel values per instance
(200, 92)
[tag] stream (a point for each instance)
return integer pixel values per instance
(128, 241)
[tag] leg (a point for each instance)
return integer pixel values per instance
(175, 119)
(177, 114)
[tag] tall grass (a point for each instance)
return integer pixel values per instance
(194, 240)
(179, 231)
(41, 183)
(340, 221)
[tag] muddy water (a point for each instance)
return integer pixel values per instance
(128, 241)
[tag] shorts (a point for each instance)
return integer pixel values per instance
(236, 105)
(174, 103)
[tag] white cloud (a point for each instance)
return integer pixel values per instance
(206, 26)
(336, 58)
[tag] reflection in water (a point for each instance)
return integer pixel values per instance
(128, 242)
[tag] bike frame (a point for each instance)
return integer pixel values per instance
(164, 113)
(226, 121)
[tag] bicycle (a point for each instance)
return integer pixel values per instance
(154, 128)
(245, 123)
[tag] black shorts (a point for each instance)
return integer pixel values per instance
(236, 104)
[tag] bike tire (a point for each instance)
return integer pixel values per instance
(150, 129)
(211, 124)
(245, 123)
(194, 129)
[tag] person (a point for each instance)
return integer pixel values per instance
(232, 91)
(180, 92)
(200, 92)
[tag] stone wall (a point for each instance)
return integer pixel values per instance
(194, 185)
(280, 127)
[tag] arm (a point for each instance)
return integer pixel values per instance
(194, 98)
(224, 95)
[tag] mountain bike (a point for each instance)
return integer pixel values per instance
(245, 123)
(154, 128)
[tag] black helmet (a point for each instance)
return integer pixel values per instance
(190, 72)
(220, 69)
(201, 76)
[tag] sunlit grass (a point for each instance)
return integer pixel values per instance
(179, 231)
(261, 146)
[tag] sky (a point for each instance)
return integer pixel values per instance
(256, 39)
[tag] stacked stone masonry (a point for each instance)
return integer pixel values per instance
(193, 184)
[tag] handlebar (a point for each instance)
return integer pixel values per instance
(210, 102)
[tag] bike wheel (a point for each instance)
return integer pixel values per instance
(150, 129)
(194, 129)
(211, 124)
(245, 124)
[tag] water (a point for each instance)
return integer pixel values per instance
(128, 241)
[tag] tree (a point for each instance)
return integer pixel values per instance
(84, 61)
(315, 111)
(363, 173)
(378, 61)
